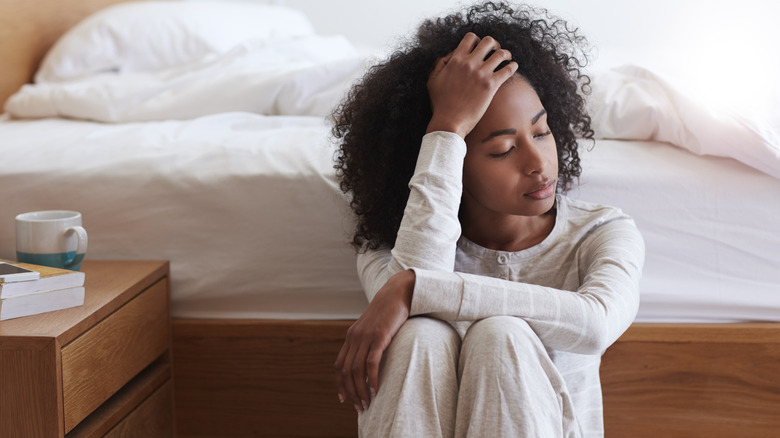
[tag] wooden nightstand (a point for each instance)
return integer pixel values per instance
(103, 368)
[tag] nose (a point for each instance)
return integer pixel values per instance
(532, 160)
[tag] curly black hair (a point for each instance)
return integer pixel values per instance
(380, 124)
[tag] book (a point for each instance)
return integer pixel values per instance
(51, 279)
(33, 304)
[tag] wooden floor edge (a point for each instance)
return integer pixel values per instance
(242, 328)
(730, 332)
(727, 332)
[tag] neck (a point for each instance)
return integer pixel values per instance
(508, 232)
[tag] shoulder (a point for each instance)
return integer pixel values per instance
(606, 236)
(588, 214)
(587, 220)
(366, 256)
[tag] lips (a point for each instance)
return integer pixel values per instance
(542, 191)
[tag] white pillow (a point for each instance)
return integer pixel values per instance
(158, 34)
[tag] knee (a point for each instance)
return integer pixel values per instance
(422, 338)
(499, 334)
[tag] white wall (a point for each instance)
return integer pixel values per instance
(705, 46)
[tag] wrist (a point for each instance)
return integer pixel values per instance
(405, 282)
(435, 125)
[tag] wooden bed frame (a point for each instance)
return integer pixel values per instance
(274, 378)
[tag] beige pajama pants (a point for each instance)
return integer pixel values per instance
(496, 381)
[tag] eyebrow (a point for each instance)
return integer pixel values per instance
(511, 131)
(500, 132)
(538, 116)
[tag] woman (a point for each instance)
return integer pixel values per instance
(492, 295)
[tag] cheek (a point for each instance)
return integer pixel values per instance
(474, 177)
(552, 155)
(484, 179)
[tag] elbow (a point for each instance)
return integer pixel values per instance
(607, 321)
(597, 340)
(602, 335)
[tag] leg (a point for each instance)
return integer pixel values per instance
(509, 386)
(418, 386)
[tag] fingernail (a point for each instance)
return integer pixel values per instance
(373, 391)
(357, 408)
(365, 404)
(341, 398)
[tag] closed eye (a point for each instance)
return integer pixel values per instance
(543, 134)
(502, 154)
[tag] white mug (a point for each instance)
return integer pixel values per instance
(51, 238)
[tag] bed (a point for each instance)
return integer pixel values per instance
(151, 139)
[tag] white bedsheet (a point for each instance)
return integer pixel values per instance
(633, 103)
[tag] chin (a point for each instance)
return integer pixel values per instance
(543, 206)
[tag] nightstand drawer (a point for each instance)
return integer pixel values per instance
(152, 418)
(107, 356)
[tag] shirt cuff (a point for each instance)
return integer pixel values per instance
(444, 151)
(437, 292)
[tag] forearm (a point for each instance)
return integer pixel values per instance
(429, 229)
(581, 322)
(586, 321)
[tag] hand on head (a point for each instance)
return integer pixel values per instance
(463, 83)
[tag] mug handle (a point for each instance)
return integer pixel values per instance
(81, 234)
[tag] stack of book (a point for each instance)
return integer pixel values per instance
(55, 289)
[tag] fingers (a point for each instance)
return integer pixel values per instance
(359, 375)
(341, 379)
(372, 369)
(440, 64)
(484, 53)
(352, 364)
(496, 58)
(349, 373)
(503, 59)
(467, 43)
(478, 48)
(485, 47)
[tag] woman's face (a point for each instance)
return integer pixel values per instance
(511, 164)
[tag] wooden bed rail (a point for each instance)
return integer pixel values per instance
(275, 378)
(743, 332)
(693, 380)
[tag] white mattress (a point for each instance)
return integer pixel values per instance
(711, 227)
(247, 209)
